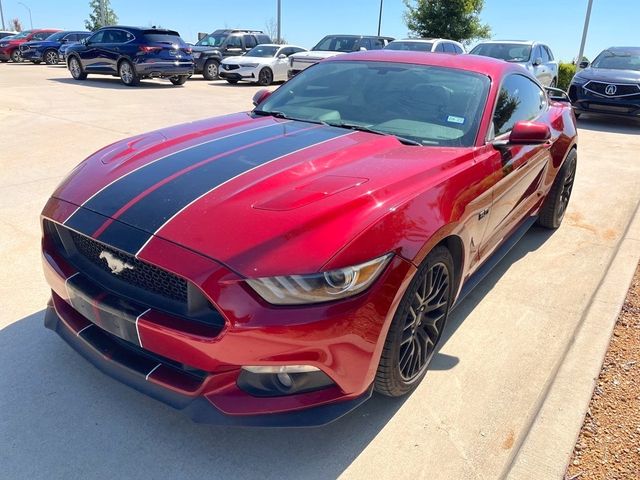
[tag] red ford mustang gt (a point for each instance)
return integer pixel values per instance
(275, 267)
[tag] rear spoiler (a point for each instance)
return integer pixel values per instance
(557, 94)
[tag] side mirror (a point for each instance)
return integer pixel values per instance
(537, 61)
(260, 96)
(529, 133)
(281, 56)
(584, 64)
(362, 49)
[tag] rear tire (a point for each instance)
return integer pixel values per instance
(211, 69)
(555, 205)
(265, 77)
(417, 326)
(15, 56)
(179, 79)
(51, 57)
(75, 67)
(127, 73)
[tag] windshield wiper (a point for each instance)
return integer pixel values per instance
(272, 113)
(363, 128)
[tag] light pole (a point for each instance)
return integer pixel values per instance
(2, 15)
(380, 18)
(279, 22)
(29, 10)
(584, 35)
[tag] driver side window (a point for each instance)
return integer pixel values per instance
(97, 38)
(234, 42)
(520, 99)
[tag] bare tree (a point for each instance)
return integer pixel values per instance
(15, 25)
(271, 29)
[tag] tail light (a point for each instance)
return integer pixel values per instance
(149, 49)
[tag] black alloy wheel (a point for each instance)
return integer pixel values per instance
(51, 57)
(16, 57)
(555, 205)
(265, 77)
(76, 69)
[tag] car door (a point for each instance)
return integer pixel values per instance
(89, 54)
(519, 170)
(540, 62)
(281, 65)
(552, 64)
(112, 49)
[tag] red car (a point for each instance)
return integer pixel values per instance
(274, 267)
(10, 46)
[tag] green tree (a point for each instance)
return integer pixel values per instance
(101, 15)
(454, 19)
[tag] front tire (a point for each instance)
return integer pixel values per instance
(211, 69)
(51, 57)
(127, 74)
(265, 77)
(75, 67)
(179, 79)
(15, 56)
(555, 205)
(232, 81)
(417, 326)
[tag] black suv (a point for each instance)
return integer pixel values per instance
(210, 50)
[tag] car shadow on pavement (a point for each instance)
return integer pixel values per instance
(598, 123)
(104, 81)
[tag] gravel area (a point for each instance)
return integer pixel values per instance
(609, 444)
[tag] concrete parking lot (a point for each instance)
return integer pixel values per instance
(504, 345)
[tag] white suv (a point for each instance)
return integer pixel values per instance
(534, 56)
(438, 45)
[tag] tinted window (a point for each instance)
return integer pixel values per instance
(57, 37)
(164, 38)
(511, 52)
(72, 37)
(409, 45)
(263, 51)
(549, 54)
(116, 36)
(364, 43)
(377, 43)
(544, 55)
(41, 35)
(337, 44)
(234, 42)
(448, 48)
(457, 48)
(617, 60)
(263, 38)
(519, 100)
(440, 47)
(430, 105)
(97, 37)
(212, 40)
(250, 41)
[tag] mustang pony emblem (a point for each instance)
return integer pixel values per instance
(116, 265)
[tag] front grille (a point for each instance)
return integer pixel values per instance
(231, 67)
(142, 275)
(619, 89)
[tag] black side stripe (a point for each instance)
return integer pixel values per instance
(154, 210)
(111, 198)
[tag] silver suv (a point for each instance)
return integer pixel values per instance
(534, 56)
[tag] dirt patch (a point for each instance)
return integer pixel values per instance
(609, 444)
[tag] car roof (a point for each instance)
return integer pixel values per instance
(492, 67)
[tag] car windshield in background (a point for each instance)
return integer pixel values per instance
(617, 61)
(423, 104)
(56, 37)
(24, 34)
(262, 51)
(337, 44)
(511, 52)
(168, 38)
(410, 46)
(212, 40)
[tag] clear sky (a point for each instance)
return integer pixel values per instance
(556, 22)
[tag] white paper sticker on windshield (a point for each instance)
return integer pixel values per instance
(454, 119)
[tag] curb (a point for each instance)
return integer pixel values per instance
(547, 444)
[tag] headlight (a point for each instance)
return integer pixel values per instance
(249, 65)
(319, 287)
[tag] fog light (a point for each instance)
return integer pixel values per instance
(285, 380)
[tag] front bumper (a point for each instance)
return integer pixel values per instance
(584, 101)
(197, 369)
(31, 55)
(163, 69)
(5, 53)
(249, 74)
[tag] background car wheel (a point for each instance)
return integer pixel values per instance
(265, 77)
(36, 62)
(210, 70)
(179, 79)
(128, 74)
(51, 57)
(15, 56)
(417, 325)
(76, 69)
(555, 205)
(232, 82)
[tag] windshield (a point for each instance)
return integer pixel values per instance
(23, 34)
(617, 61)
(213, 40)
(511, 52)
(56, 37)
(167, 38)
(337, 44)
(262, 51)
(424, 104)
(412, 46)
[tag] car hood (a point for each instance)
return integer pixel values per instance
(253, 193)
(610, 75)
(243, 60)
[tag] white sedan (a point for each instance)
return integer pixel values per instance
(264, 64)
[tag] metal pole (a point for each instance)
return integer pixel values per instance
(380, 18)
(584, 35)
(2, 15)
(29, 10)
(279, 22)
(103, 20)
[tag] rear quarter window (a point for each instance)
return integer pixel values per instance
(164, 38)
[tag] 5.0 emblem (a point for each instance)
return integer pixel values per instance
(116, 265)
